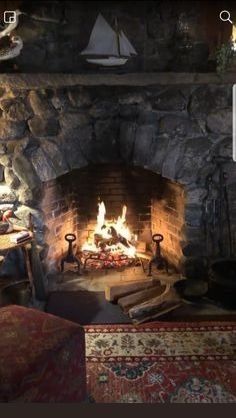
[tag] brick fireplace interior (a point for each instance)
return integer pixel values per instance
(154, 205)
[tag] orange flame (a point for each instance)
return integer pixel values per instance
(103, 229)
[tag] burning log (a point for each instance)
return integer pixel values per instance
(114, 239)
(111, 236)
(102, 242)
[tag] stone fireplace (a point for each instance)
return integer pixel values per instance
(68, 142)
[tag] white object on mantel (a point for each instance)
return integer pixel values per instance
(113, 47)
(11, 26)
(13, 50)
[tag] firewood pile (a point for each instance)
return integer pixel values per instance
(144, 299)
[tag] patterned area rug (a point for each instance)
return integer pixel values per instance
(162, 363)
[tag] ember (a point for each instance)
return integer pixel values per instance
(112, 244)
(107, 260)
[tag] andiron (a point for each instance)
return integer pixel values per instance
(157, 259)
(70, 257)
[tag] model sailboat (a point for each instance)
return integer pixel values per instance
(106, 46)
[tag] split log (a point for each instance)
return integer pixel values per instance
(102, 242)
(115, 239)
(147, 308)
(163, 309)
(134, 299)
(113, 292)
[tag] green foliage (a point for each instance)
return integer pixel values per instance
(224, 56)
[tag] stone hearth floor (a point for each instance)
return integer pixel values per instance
(97, 280)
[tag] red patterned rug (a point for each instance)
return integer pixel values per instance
(162, 363)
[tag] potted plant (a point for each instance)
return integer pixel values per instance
(224, 57)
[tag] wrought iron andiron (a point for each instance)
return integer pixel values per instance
(157, 259)
(70, 257)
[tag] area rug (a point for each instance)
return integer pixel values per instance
(162, 363)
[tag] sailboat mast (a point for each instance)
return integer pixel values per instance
(117, 35)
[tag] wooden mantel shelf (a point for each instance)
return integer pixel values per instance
(56, 80)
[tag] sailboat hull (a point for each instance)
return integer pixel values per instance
(108, 62)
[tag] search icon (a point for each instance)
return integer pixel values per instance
(225, 16)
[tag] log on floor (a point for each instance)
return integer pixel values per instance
(147, 307)
(135, 298)
(161, 310)
(113, 292)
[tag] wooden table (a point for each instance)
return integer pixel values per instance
(6, 245)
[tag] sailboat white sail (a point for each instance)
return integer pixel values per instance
(125, 46)
(112, 47)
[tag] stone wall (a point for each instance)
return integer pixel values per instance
(172, 130)
(168, 35)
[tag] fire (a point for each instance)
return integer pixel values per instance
(112, 236)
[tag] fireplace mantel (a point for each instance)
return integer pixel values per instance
(47, 80)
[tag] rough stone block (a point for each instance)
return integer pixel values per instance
(41, 104)
(23, 169)
(193, 160)
(42, 165)
(79, 98)
(173, 156)
(171, 99)
(104, 110)
(1, 173)
(41, 127)
(157, 159)
(220, 122)
(7, 195)
(11, 179)
(6, 160)
(206, 99)
(133, 98)
(193, 215)
(72, 122)
(23, 213)
(77, 147)
(26, 196)
(16, 109)
(10, 130)
(180, 126)
(126, 139)
(105, 146)
(60, 101)
(145, 143)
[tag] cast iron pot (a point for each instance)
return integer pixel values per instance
(224, 273)
(191, 290)
(222, 282)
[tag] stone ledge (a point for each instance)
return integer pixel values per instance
(46, 80)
